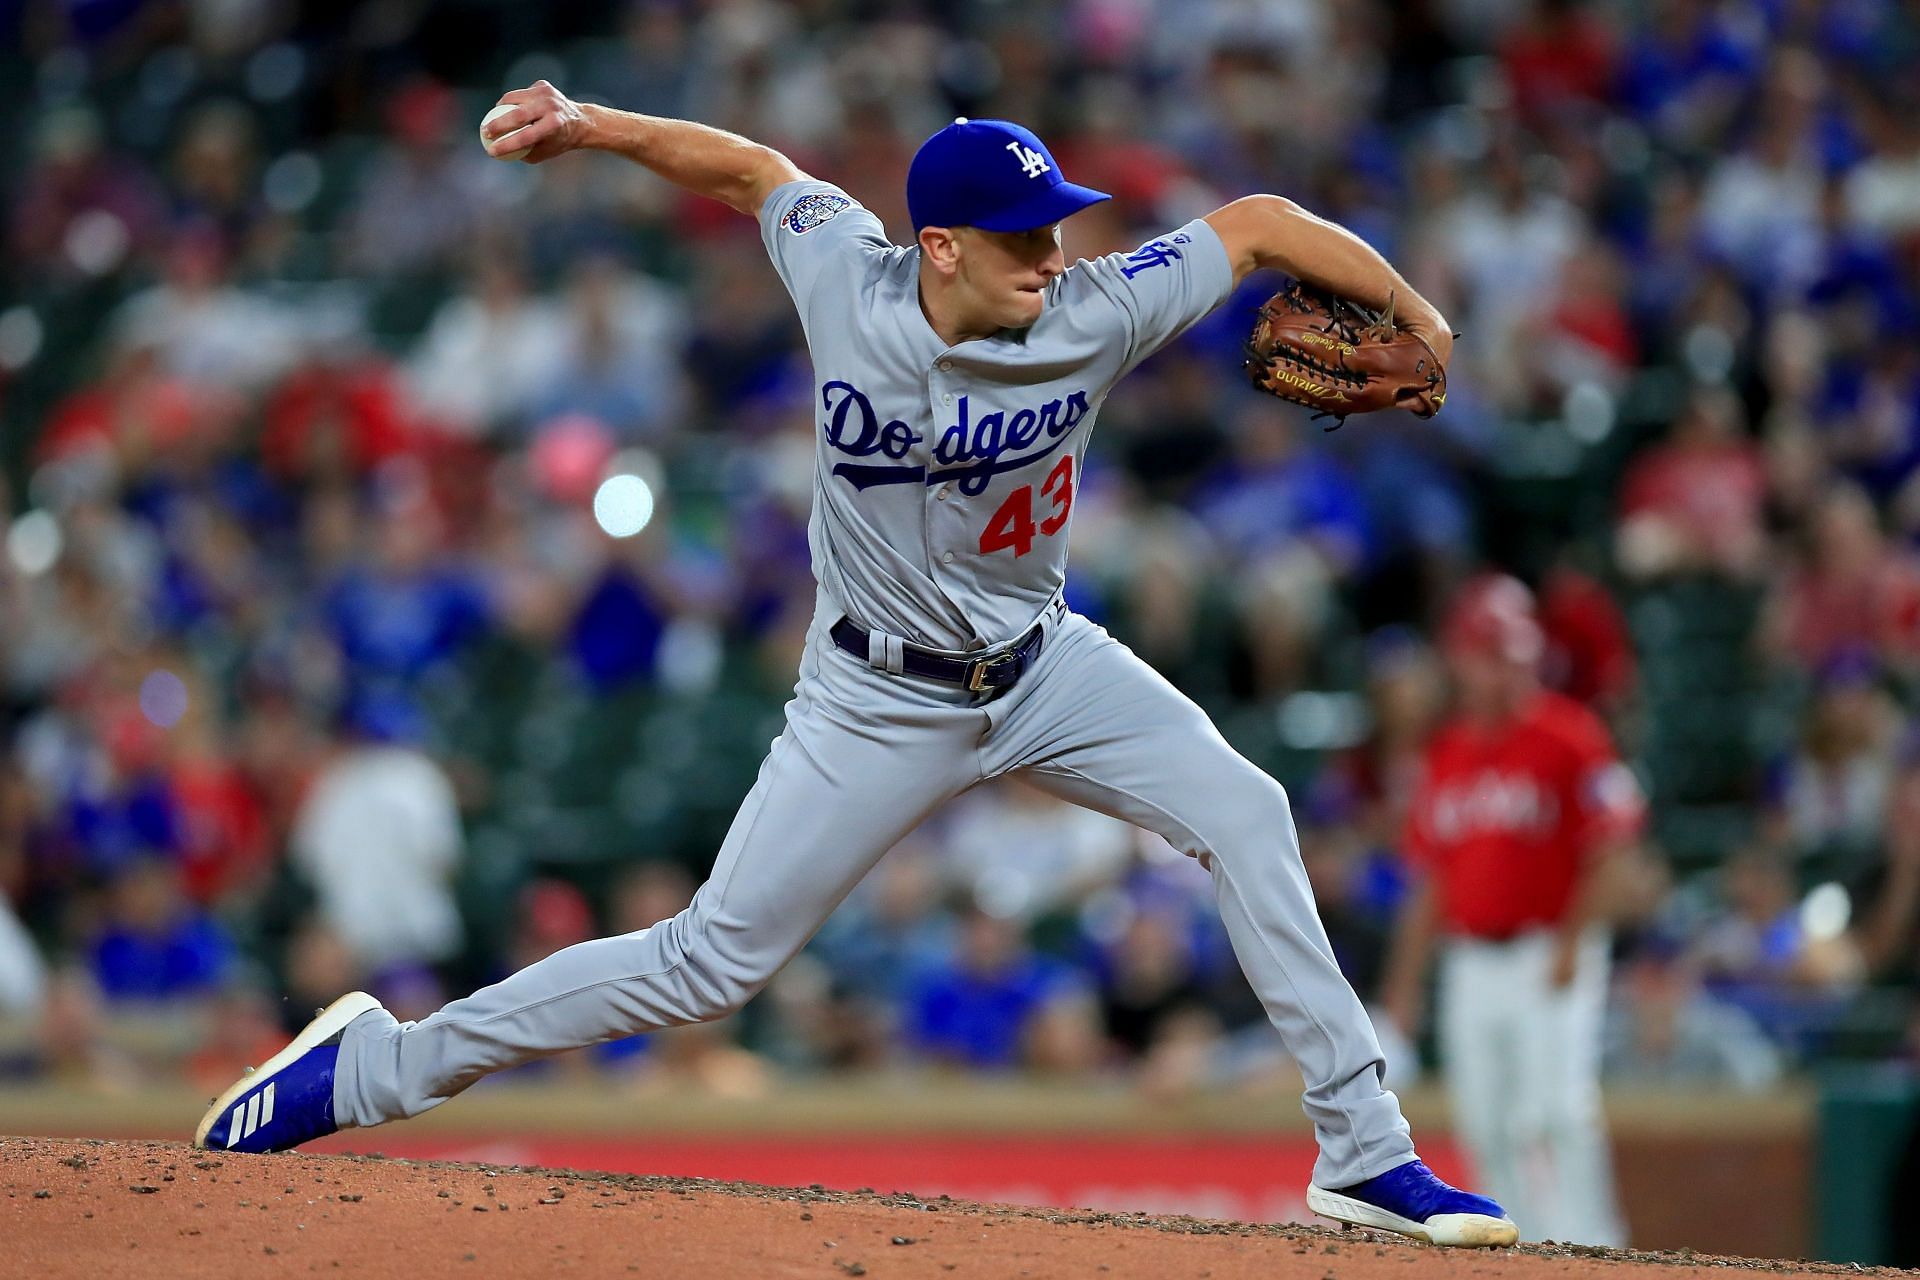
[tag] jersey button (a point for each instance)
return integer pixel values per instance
(946, 399)
(946, 366)
(947, 558)
(942, 492)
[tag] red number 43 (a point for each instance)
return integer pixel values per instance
(1012, 525)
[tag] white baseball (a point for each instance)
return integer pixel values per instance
(488, 119)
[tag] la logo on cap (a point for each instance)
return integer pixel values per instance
(1032, 163)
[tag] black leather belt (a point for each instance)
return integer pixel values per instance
(995, 673)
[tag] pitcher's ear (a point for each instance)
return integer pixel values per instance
(941, 247)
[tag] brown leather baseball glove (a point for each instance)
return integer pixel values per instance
(1333, 355)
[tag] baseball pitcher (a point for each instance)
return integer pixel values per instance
(956, 384)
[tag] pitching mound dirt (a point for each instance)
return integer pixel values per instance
(100, 1208)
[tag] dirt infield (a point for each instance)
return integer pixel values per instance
(102, 1208)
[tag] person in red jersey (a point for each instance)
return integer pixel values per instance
(1520, 833)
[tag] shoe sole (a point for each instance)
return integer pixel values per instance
(1458, 1230)
(328, 1023)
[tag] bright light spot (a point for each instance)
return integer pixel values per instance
(33, 543)
(163, 698)
(275, 72)
(1588, 411)
(1709, 354)
(20, 335)
(1003, 892)
(690, 655)
(1825, 912)
(1315, 721)
(166, 76)
(1624, 145)
(1106, 916)
(623, 505)
(291, 182)
(97, 242)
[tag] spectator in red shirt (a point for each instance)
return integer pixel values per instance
(1852, 590)
(1516, 835)
(340, 413)
(1695, 503)
(224, 840)
(134, 410)
(1559, 54)
(1592, 334)
(1589, 655)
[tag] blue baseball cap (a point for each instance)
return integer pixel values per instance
(990, 174)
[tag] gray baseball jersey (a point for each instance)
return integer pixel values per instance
(943, 493)
(944, 479)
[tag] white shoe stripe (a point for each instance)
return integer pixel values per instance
(266, 1104)
(234, 1122)
(253, 1116)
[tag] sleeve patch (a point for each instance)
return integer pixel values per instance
(810, 211)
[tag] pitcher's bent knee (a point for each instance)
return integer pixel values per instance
(1250, 818)
(717, 984)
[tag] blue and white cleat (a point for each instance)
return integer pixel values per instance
(1410, 1200)
(289, 1100)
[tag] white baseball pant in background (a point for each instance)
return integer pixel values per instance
(1522, 1063)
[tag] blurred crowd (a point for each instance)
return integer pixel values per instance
(320, 665)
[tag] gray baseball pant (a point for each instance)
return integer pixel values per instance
(865, 756)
